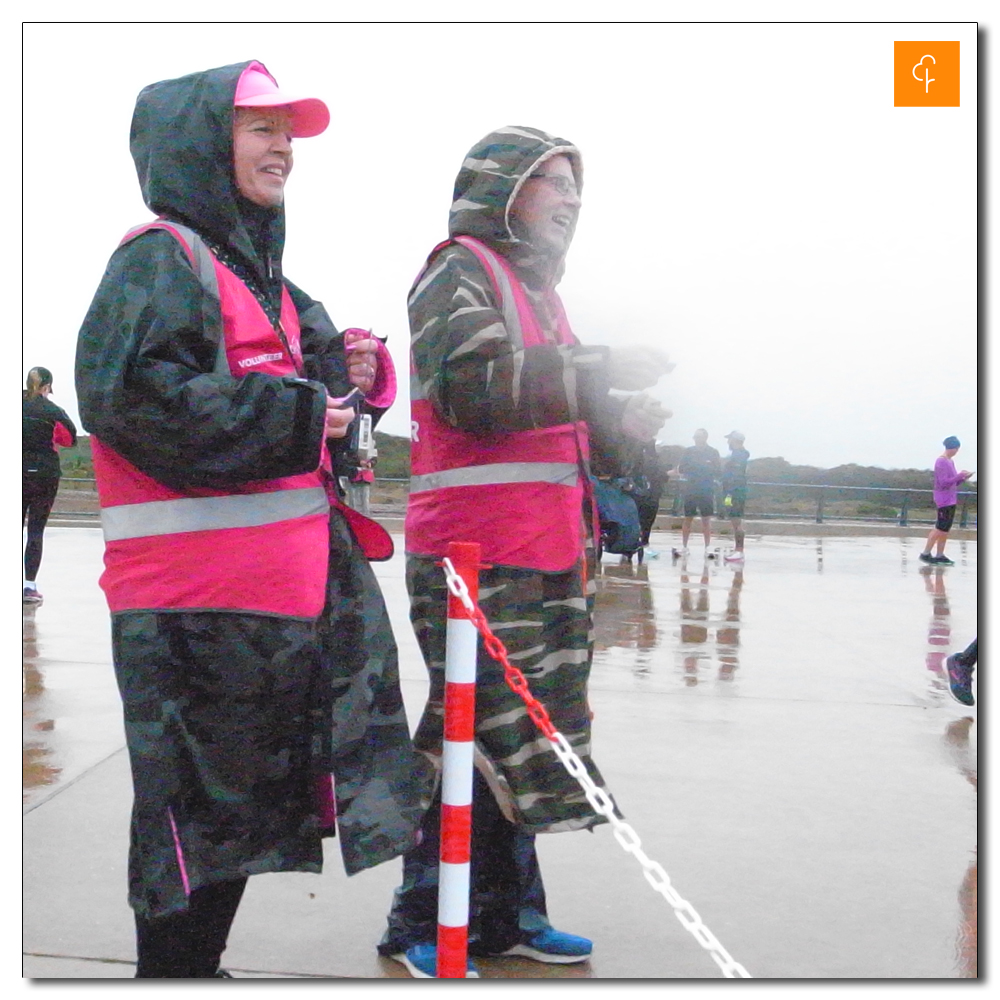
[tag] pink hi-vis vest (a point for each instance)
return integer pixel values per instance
(519, 495)
(260, 548)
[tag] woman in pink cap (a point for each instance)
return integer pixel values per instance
(251, 644)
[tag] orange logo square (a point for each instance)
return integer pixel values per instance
(925, 75)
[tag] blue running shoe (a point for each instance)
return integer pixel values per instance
(554, 947)
(421, 962)
(960, 680)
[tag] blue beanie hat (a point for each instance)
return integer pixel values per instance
(952, 442)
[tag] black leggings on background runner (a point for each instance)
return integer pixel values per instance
(38, 493)
(188, 945)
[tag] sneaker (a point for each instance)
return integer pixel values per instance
(651, 553)
(32, 596)
(421, 962)
(553, 947)
(960, 680)
(734, 557)
(943, 561)
(926, 557)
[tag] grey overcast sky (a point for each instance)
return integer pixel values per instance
(753, 202)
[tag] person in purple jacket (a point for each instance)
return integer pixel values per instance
(946, 483)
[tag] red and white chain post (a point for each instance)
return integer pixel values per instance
(653, 871)
(456, 778)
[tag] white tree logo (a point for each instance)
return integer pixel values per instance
(926, 79)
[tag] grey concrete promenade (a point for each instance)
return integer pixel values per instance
(780, 737)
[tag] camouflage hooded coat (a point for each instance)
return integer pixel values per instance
(232, 719)
(479, 381)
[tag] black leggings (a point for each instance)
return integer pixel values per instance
(38, 493)
(188, 945)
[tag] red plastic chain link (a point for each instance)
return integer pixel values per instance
(516, 680)
(654, 873)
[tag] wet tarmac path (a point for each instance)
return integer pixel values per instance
(780, 736)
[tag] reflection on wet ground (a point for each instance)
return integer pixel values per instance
(693, 611)
(37, 753)
(780, 734)
(960, 746)
(707, 639)
(682, 622)
(626, 615)
(71, 711)
(939, 627)
(705, 628)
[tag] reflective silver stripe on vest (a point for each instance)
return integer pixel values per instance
(498, 474)
(248, 510)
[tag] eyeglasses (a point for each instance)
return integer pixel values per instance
(563, 185)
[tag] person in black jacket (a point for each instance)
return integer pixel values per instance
(652, 478)
(44, 428)
(236, 712)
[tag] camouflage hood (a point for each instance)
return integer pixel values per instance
(490, 178)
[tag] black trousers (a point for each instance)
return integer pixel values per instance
(648, 508)
(38, 493)
(188, 945)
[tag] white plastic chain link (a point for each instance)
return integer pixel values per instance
(654, 872)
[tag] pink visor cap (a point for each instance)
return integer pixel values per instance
(257, 89)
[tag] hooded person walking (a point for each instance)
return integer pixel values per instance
(506, 406)
(251, 645)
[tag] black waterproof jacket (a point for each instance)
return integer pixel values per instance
(144, 359)
(39, 419)
(230, 718)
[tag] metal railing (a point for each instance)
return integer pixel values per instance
(904, 502)
(968, 503)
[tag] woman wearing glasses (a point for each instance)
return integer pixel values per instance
(506, 404)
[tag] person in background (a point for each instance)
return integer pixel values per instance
(507, 405)
(698, 469)
(359, 484)
(251, 645)
(946, 483)
(734, 490)
(45, 428)
(649, 479)
(960, 668)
